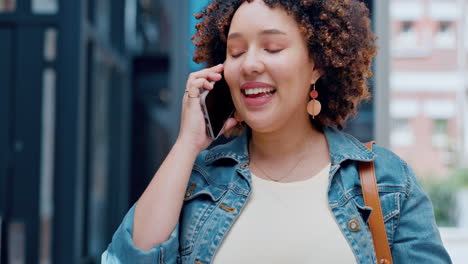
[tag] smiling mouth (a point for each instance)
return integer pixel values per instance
(258, 92)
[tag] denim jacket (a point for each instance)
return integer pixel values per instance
(220, 185)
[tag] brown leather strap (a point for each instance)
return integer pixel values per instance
(376, 221)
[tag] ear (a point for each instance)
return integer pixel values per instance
(317, 71)
(316, 74)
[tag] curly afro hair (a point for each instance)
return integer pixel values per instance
(340, 42)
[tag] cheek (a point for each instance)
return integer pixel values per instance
(229, 76)
(293, 83)
(284, 67)
(284, 75)
(290, 69)
(230, 73)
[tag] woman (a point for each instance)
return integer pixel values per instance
(286, 190)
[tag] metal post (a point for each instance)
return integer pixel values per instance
(381, 20)
(70, 125)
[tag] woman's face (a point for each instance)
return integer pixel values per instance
(265, 49)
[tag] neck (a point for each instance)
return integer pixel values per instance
(289, 140)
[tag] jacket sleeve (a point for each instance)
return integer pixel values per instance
(417, 238)
(122, 250)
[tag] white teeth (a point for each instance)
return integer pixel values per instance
(258, 90)
(266, 95)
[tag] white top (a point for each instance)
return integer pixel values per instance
(286, 223)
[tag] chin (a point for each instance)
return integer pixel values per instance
(262, 126)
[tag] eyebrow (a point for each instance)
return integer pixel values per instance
(264, 32)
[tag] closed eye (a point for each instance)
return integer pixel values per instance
(236, 56)
(273, 51)
(268, 50)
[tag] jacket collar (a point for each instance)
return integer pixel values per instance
(342, 146)
(236, 149)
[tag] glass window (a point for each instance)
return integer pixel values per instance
(7, 5)
(47, 165)
(440, 133)
(466, 34)
(96, 216)
(401, 133)
(16, 242)
(102, 18)
(44, 6)
(50, 44)
(407, 36)
(445, 35)
(89, 12)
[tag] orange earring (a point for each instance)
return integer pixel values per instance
(314, 106)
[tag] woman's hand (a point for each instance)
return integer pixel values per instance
(192, 128)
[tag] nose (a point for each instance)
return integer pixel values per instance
(252, 64)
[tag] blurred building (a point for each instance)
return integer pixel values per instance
(89, 106)
(429, 84)
(90, 96)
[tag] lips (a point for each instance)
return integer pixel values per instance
(258, 101)
(257, 93)
(252, 85)
(251, 89)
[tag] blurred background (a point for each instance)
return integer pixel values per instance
(90, 95)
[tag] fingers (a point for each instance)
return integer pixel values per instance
(214, 76)
(198, 84)
(208, 73)
(203, 79)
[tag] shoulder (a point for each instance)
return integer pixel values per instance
(213, 169)
(200, 160)
(202, 182)
(200, 169)
(391, 169)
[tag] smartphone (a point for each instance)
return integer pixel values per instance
(217, 107)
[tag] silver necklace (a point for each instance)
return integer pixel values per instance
(287, 174)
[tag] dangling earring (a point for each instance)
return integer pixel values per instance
(314, 106)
